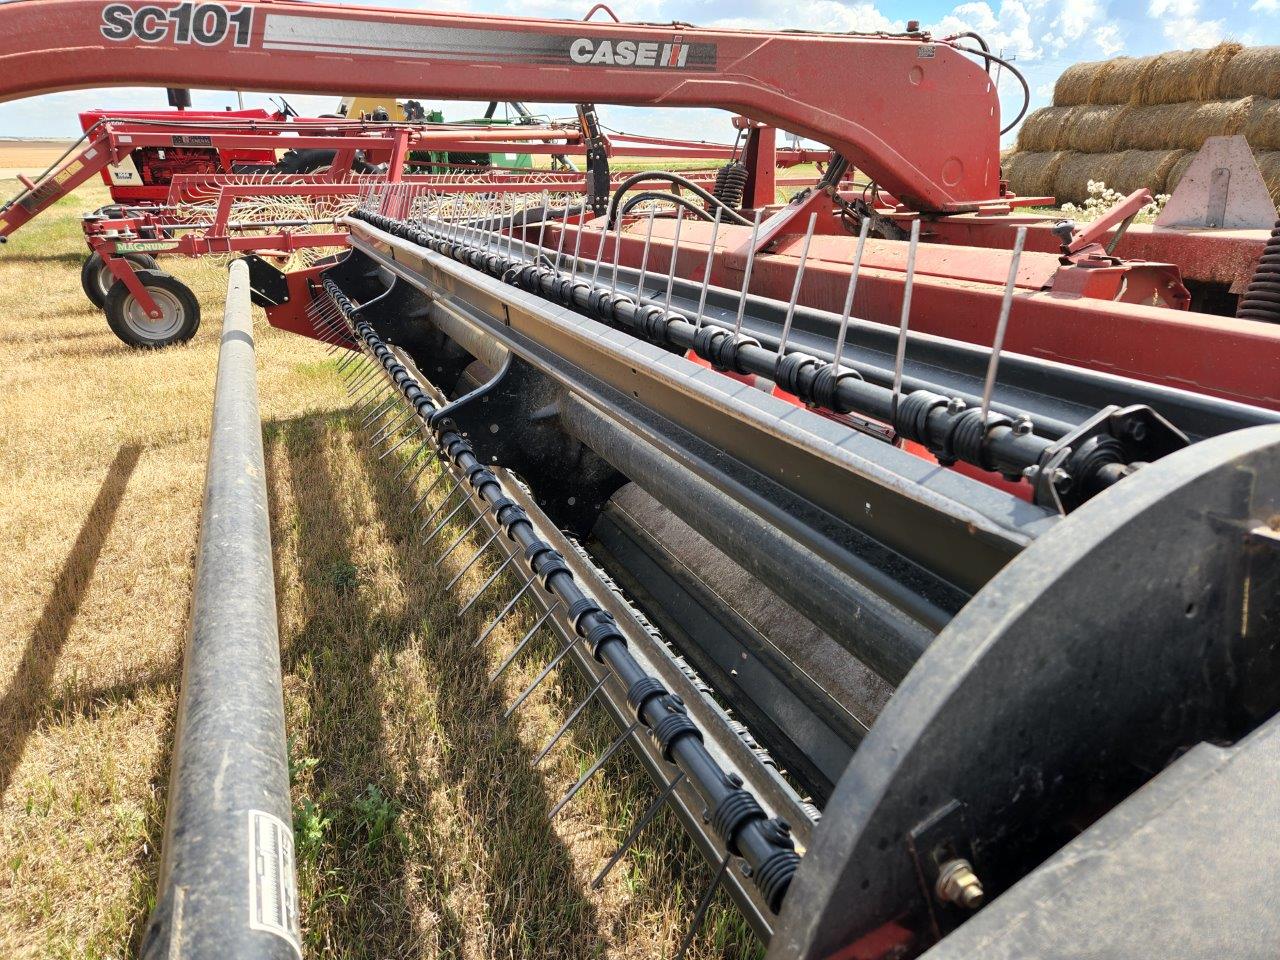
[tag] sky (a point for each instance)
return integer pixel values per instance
(1042, 37)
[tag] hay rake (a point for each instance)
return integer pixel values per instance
(972, 553)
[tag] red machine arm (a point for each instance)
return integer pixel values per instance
(919, 117)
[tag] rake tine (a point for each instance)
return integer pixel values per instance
(542, 676)
(568, 721)
(795, 287)
(591, 771)
(644, 259)
(617, 249)
(675, 246)
(413, 458)
(853, 286)
(346, 361)
(604, 233)
(542, 226)
(389, 427)
(474, 557)
(746, 273)
(400, 443)
(577, 247)
(502, 613)
(485, 586)
(521, 645)
(427, 493)
(460, 537)
(356, 373)
(564, 226)
(901, 356)
(434, 513)
(361, 380)
(382, 407)
(1006, 305)
(703, 906)
(416, 474)
(452, 513)
(370, 391)
(634, 835)
(706, 273)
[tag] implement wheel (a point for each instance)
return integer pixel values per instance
(96, 277)
(180, 312)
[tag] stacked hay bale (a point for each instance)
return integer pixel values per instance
(1138, 121)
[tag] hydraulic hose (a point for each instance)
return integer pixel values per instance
(729, 213)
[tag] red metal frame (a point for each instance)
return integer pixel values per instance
(930, 134)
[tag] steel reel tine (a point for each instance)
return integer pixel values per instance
(564, 235)
(901, 356)
(617, 249)
(528, 635)
(847, 312)
(377, 404)
(504, 611)
(604, 233)
(360, 381)
(634, 834)
(746, 273)
(383, 407)
(546, 671)
(412, 459)
(703, 905)
(474, 557)
(452, 513)
(568, 721)
(387, 428)
(460, 537)
(577, 246)
(644, 259)
(485, 586)
(1002, 324)
(542, 226)
(706, 272)
(609, 751)
(795, 287)
(675, 247)
(426, 493)
(417, 473)
(396, 446)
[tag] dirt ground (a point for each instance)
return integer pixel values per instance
(419, 816)
(28, 157)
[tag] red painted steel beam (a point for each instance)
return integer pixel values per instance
(926, 125)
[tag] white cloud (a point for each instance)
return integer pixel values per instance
(1010, 29)
(1266, 6)
(1181, 24)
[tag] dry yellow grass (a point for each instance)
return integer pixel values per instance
(421, 820)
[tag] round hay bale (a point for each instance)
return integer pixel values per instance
(1182, 75)
(1182, 126)
(1044, 129)
(1075, 170)
(1254, 71)
(1120, 80)
(1074, 83)
(1269, 166)
(1032, 174)
(1094, 128)
(1262, 128)
(1135, 169)
(1178, 169)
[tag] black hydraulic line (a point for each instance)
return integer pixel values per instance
(639, 198)
(730, 214)
(1017, 74)
(733, 812)
(951, 429)
(227, 885)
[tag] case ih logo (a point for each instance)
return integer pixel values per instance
(630, 53)
(207, 24)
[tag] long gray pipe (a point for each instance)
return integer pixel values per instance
(228, 886)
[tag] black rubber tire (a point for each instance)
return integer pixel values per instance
(92, 279)
(182, 312)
